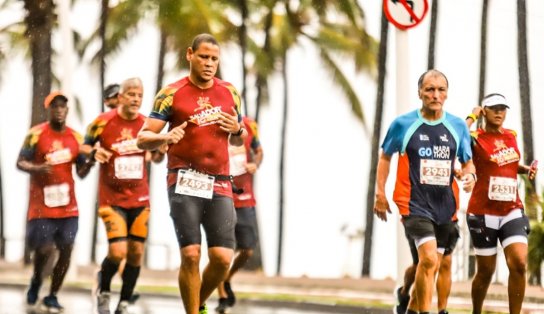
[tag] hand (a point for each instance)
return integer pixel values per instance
(176, 134)
(477, 111)
(44, 168)
(229, 123)
(251, 167)
(381, 207)
(102, 155)
(163, 149)
(458, 174)
(469, 180)
(532, 172)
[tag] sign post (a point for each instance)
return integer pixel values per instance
(403, 14)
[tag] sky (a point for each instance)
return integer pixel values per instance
(328, 151)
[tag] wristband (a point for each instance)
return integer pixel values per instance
(92, 155)
(472, 116)
(240, 131)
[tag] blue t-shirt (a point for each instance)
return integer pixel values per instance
(425, 184)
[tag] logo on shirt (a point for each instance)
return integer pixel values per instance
(444, 138)
(437, 152)
(58, 154)
(505, 156)
(208, 114)
(499, 145)
(423, 137)
(126, 143)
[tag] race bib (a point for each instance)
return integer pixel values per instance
(192, 183)
(56, 195)
(238, 160)
(435, 172)
(131, 167)
(502, 189)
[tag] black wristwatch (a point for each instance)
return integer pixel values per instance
(239, 131)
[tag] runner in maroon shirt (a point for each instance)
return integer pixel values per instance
(123, 191)
(495, 211)
(203, 113)
(244, 161)
(48, 154)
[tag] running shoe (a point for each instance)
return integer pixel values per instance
(231, 298)
(402, 301)
(122, 308)
(223, 306)
(32, 293)
(51, 304)
(103, 302)
(203, 309)
(134, 297)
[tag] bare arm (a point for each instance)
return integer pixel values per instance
(381, 205)
(473, 116)
(150, 138)
(252, 166)
(31, 167)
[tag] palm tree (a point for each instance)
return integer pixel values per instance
(526, 119)
(344, 36)
(432, 35)
(39, 26)
(483, 54)
(376, 135)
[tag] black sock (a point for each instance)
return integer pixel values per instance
(108, 270)
(130, 275)
(443, 312)
(424, 312)
(410, 312)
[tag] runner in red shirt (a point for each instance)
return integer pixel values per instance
(49, 151)
(244, 162)
(495, 211)
(204, 116)
(123, 191)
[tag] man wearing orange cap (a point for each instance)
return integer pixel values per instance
(48, 153)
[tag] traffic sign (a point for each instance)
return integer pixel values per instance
(405, 14)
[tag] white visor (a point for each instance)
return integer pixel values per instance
(494, 101)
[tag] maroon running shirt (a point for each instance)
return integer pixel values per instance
(123, 180)
(204, 147)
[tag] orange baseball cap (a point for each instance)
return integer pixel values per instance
(49, 99)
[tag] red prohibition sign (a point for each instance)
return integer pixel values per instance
(405, 14)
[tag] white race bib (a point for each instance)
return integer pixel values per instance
(435, 172)
(56, 195)
(130, 167)
(502, 189)
(195, 184)
(238, 160)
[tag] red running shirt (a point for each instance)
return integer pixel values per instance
(239, 157)
(496, 158)
(52, 195)
(204, 147)
(123, 180)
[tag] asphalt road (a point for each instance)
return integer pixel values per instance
(12, 301)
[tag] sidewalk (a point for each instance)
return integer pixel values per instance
(249, 285)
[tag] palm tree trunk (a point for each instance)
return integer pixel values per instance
(526, 121)
(39, 22)
(376, 134)
(242, 35)
(483, 51)
(282, 161)
(160, 67)
(432, 35)
(261, 83)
